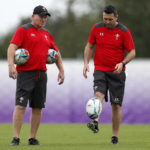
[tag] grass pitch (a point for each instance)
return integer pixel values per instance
(78, 137)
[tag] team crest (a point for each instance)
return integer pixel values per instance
(32, 34)
(46, 37)
(117, 36)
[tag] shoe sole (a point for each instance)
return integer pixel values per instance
(114, 143)
(91, 126)
(14, 144)
(35, 144)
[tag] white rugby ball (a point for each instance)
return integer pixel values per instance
(52, 56)
(21, 56)
(93, 108)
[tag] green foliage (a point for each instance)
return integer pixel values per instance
(4, 42)
(4, 45)
(71, 31)
(71, 36)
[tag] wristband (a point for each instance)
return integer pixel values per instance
(123, 63)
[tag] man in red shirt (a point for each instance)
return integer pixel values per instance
(31, 76)
(112, 40)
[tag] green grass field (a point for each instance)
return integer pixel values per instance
(78, 137)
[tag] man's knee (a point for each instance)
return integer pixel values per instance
(36, 111)
(116, 107)
(99, 95)
(20, 108)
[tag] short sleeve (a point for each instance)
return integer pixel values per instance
(92, 39)
(18, 37)
(128, 41)
(53, 44)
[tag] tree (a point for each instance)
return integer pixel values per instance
(71, 30)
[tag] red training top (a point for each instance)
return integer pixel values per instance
(37, 42)
(110, 45)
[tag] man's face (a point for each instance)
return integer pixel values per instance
(39, 21)
(109, 20)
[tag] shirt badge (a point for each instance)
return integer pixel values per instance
(32, 34)
(46, 37)
(101, 34)
(117, 36)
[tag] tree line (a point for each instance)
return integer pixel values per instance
(71, 31)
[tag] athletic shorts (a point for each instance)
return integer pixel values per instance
(105, 81)
(31, 86)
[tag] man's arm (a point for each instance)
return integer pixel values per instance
(129, 56)
(126, 60)
(10, 56)
(87, 55)
(60, 67)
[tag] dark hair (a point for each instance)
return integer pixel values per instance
(110, 9)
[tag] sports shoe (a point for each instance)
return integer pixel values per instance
(33, 141)
(15, 141)
(114, 140)
(93, 126)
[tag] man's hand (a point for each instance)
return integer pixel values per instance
(118, 68)
(85, 69)
(12, 72)
(61, 77)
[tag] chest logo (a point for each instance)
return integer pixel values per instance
(32, 34)
(101, 34)
(46, 37)
(117, 36)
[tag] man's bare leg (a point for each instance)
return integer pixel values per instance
(17, 119)
(35, 121)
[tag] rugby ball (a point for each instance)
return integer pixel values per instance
(52, 56)
(93, 108)
(21, 56)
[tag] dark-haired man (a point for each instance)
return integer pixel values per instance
(32, 76)
(112, 39)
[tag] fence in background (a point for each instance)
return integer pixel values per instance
(66, 103)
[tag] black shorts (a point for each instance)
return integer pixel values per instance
(31, 85)
(105, 81)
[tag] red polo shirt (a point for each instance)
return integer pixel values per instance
(110, 45)
(37, 42)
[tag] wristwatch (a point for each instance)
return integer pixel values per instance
(123, 63)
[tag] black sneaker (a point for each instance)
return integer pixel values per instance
(93, 126)
(15, 141)
(33, 141)
(114, 140)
